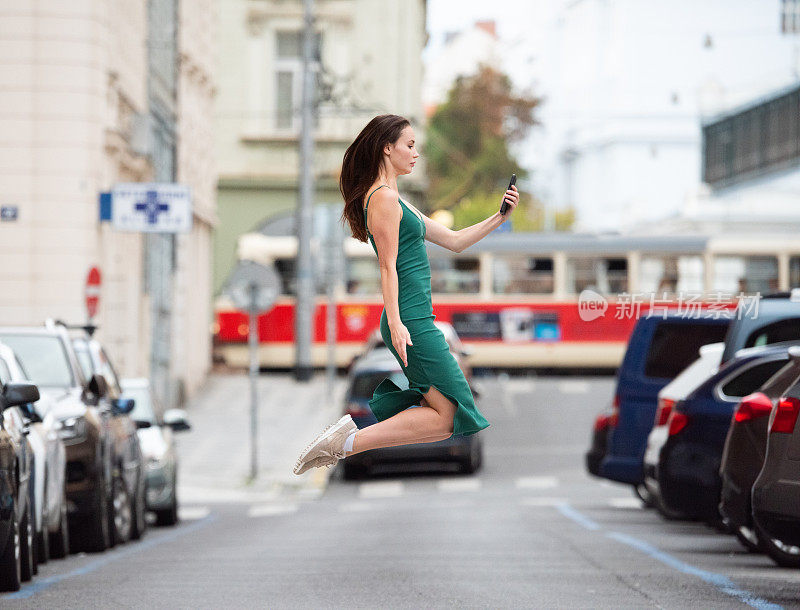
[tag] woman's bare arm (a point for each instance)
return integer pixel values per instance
(384, 215)
(458, 241)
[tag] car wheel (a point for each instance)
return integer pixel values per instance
(749, 539)
(641, 492)
(169, 516)
(139, 523)
(784, 555)
(26, 545)
(59, 541)
(97, 536)
(10, 560)
(666, 512)
(121, 514)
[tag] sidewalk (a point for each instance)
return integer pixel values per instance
(215, 454)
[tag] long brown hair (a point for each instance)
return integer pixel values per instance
(361, 164)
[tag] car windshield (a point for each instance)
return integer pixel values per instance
(44, 358)
(84, 358)
(364, 384)
(143, 409)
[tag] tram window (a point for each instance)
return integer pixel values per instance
(522, 275)
(459, 275)
(745, 274)
(794, 272)
(287, 271)
(671, 274)
(363, 276)
(603, 275)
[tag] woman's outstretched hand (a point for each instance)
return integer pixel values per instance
(512, 197)
(400, 337)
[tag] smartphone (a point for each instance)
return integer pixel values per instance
(504, 206)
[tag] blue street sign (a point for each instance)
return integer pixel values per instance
(9, 213)
(151, 208)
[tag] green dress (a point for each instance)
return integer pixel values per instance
(430, 362)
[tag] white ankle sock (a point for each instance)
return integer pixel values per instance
(348, 444)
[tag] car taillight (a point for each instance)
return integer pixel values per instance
(786, 415)
(356, 410)
(664, 409)
(601, 423)
(752, 407)
(613, 419)
(677, 421)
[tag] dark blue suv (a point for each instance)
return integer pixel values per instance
(659, 348)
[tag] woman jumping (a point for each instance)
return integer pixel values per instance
(384, 150)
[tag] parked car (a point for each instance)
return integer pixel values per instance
(688, 468)
(776, 492)
(677, 389)
(597, 449)
(127, 515)
(16, 461)
(659, 349)
(84, 410)
(51, 532)
(745, 447)
(365, 376)
(776, 320)
(156, 437)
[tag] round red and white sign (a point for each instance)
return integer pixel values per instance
(92, 291)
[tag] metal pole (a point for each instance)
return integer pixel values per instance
(333, 275)
(253, 341)
(306, 295)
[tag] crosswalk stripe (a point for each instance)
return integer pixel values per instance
(268, 510)
(355, 507)
(536, 482)
(625, 503)
(457, 485)
(193, 513)
(381, 489)
(573, 387)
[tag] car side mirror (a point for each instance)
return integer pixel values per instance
(97, 388)
(142, 423)
(176, 419)
(123, 406)
(17, 394)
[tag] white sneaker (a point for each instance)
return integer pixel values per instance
(328, 444)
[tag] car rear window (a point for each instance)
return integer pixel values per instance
(676, 345)
(752, 379)
(782, 330)
(364, 384)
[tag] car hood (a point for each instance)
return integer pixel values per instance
(64, 402)
(152, 441)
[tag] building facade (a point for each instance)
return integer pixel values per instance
(76, 118)
(369, 64)
(627, 85)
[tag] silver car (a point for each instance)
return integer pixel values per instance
(158, 448)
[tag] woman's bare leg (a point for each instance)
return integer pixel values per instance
(431, 422)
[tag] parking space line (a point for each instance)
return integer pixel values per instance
(625, 503)
(356, 507)
(457, 485)
(721, 582)
(381, 489)
(536, 482)
(109, 556)
(268, 510)
(193, 513)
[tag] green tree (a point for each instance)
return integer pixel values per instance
(468, 149)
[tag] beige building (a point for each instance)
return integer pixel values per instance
(74, 120)
(370, 64)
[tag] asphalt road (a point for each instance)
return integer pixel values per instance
(529, 530)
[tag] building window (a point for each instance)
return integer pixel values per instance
(455, 275)
(790, 16)
(745, 274)
(289, 77)
(522, 275)
(603, 275)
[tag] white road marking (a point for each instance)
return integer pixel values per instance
(548, 502)
(193, 513)
(573, 387)
(457, 485)
(356, 507)
(625, 503)
(536, 482)
(381, 489)
(268, 510)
